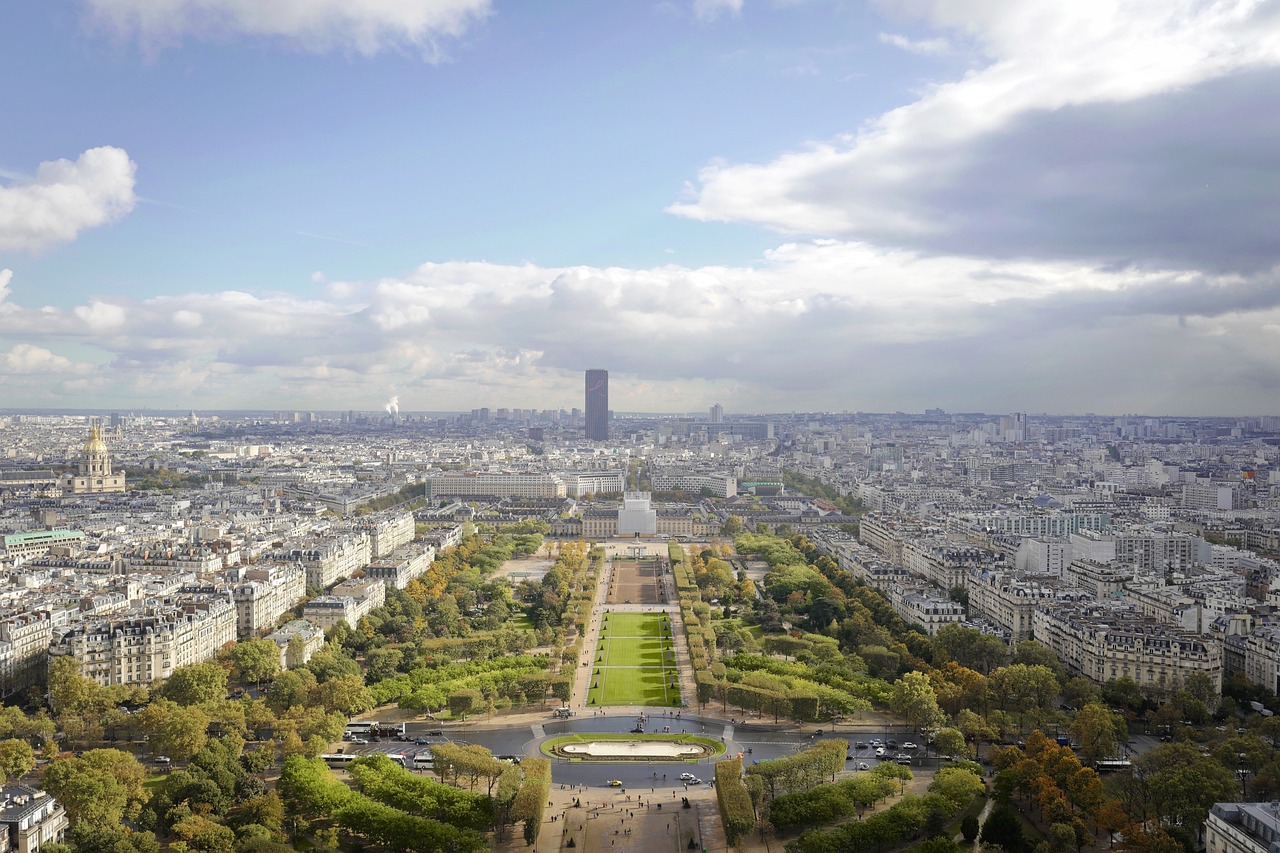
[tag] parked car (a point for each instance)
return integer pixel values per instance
(909, 745)
(902, 758)
(891, 743)
(880, 751)
(163, 759)
(862, 744)
(614, 783)
(359, 740)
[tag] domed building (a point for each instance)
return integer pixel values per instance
(93, 475)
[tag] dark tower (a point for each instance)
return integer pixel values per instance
(597, 405)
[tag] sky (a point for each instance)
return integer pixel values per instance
(777, 205)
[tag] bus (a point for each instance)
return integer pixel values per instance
(338, 760)
(373, 728)
(423, 762)
(1105, 764)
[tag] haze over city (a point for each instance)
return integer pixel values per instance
(981, 206)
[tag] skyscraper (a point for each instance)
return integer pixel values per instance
(597, 405)
(717, 414)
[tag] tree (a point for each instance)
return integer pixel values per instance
(196, 684)
(256, 660)
(1123, 692)
(345, 693)
(1098, 731)
(913, 699)
(949, 742)
(1025, 688)
(69, 691)
(103, 787)
(1003, 829)
(1078, 692)
(732, 525)
(175, 730)
(969, 647)
(17, 759)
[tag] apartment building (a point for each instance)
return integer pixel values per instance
(387, 532)
(505, 484)
(1262, 656)
(309, 640)
(1042, 523)
(402, 566)
(719, 484)
(920, 605)
(266, 594)
(1103, 642)
(327, 560)
(29, 819)
(1009, 601)
(148, 645)
(349, 602)
(581, 484)
(888, 534)
(37, 542)
(24, 651)
(1101, 580)
(1242, 828)
(200, 560)
(944, 565)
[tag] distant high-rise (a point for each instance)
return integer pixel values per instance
(597, 405)
(717, 414)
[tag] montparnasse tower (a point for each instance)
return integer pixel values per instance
(93, 474)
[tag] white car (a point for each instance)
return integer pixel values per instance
(909, 745)
(862, 765)
(687, 777)
(879, 752)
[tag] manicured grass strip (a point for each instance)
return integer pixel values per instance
(617, 624)
(635, 686)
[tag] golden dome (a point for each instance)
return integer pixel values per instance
(95, 444)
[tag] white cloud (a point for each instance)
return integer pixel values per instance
(923, 47)
(185, 319)
(66, 197)
(1111, 77)
(811, 325)
(25, 359)
(362, 26)
(710, 10)
(101, 316)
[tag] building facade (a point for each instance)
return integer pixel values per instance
(597, 405)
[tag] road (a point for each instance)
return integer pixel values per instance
(758, 743)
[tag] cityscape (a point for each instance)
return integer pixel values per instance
(442, 426)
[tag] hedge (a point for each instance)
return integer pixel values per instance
(532, 797)
(736, 813)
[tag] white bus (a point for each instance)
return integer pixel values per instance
(338, 759)
(423, 762)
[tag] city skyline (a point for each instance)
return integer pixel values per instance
(771, 206)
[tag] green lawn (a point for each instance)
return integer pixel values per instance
(628, 652)
(632, 625)
(635, 663)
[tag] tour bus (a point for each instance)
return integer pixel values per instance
(373, 728)
(338, 759)
(423, 762)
